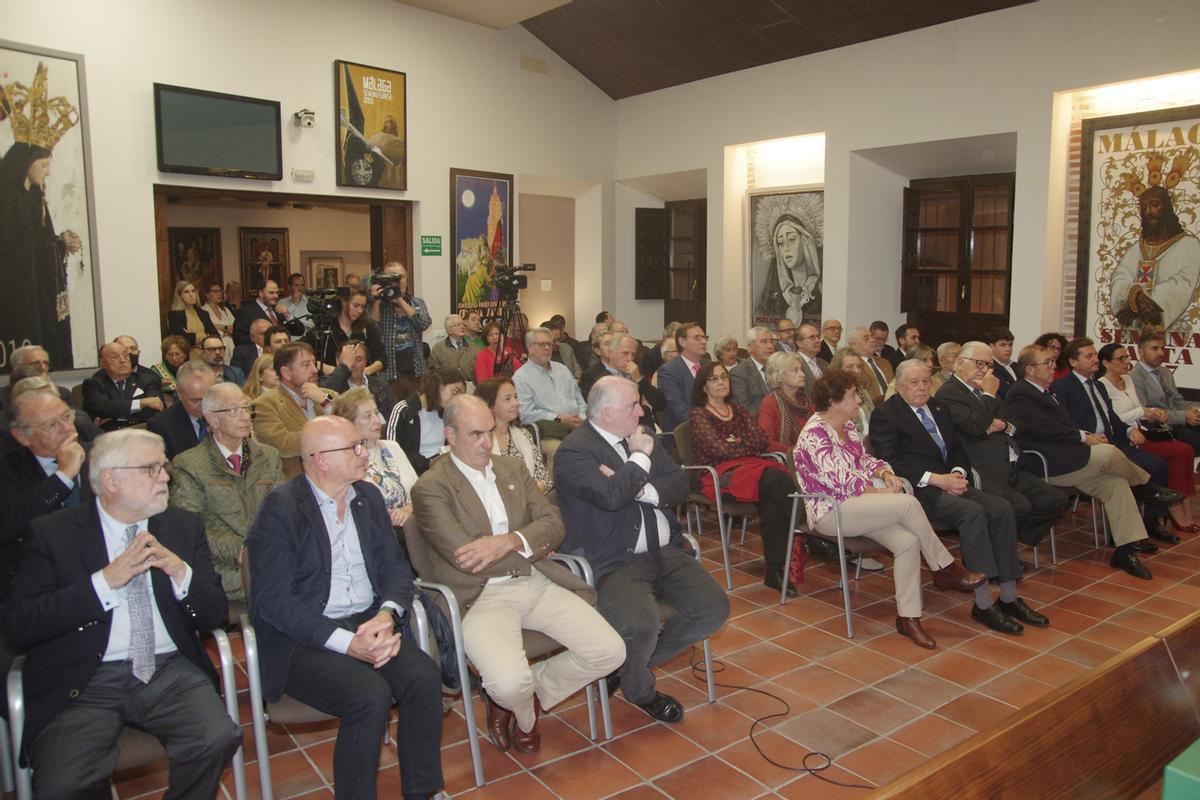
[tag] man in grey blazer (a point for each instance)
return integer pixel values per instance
(1156, 387)
(808, 345)
(748, 379)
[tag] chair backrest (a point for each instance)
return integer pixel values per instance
(683, 442)
(418, 548)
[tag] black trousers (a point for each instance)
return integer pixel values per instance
(76, 753)
(775, 509)
(1157, 467)
(1036, 504)
(634, 598)
(362, 697)
(1188, 435)
(987, 529)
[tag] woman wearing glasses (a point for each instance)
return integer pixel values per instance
(725, 437)
(225, 479)
(387, 466)
(1115, 364)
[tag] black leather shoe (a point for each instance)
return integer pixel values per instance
(1143, 546)
(996, 619)
(774, 579)
(1158, 495)
(1127, 560)
(1160, 532)
(1017, 609)
(663, 708)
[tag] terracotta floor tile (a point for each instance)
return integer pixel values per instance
(643, 792)
(1040, 594)
(1004, 652)
(291, 774)
(1141, 620)
(975, 711)
(521, 786)
(960, 668)
(1088, 606)
(1123, 596)
(1042, 639)
(931, 735)
(810, 610)
(820, 684)
(605, 776)
(882, 761)
(1015, 689)
(319, 794)
(458, 772)
(1084, 652)
(812, 787)
(1063, 580)
(766, 660)
(900, 648)
(949, 630)
(731, 637)
(713, 726)
(864, 665)
(1182, 593)
(1051, 670)
(654, 750)
(875, 710)
(709, 777)
(756, 704)
(1068, 622)
(864, 629)
(821, 730)
(1117, 637)
(921, 688)
(688, 688)
(812, 643)
(625, 717)
(141, 780)
(746, 757)
(935, 602)
(558, 739)
(766, 623)
(1172, 609)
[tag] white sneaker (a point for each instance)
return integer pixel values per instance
(871, 565)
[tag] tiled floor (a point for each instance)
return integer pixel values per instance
(877, 705)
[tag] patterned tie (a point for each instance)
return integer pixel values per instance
(879, 376)
(927, 421)
(141, 620)
(1098, 407)
(695, 368)
(235, 461)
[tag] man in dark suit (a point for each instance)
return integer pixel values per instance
(1000, 340)
(265, 305)
(489, 529)
(244, 355)
(808, 345)
(907, 337)
(831, 338)
(212, 353)
(617, 492)
(1087, 403)
(108, 603)
(622, 362)
(330, 591)
(676, 376)
(116, 395)
(748, 378)
(182, 426)
(969, 398)
(879, 335)
(1075, 457)
(915, 436)
(879, 372)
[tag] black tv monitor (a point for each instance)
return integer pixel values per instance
(209, 133)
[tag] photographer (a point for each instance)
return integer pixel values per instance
(351, 322)
(296, 303)
(401, 318)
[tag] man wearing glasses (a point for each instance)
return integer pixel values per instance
(675, 378)
(280, 415)
(225, 479)
(548, 394)
(108, 603)
(331, 595)
(213, 353)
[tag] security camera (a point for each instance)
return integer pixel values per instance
(304, 118)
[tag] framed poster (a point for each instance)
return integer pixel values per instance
(47, 260)
(372, 132)
(263, 254)
(480, 237)
(1139, 216)
(325, 273)
(786, 237)
(195, 256)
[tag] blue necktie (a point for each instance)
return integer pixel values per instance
(201, 429)
(927, 421)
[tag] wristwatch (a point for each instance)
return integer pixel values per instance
(397, 620)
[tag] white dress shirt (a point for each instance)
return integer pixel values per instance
(648, 494)
(927, 475)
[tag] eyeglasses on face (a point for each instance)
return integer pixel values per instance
(217, 349)
(980, 364)
(65, 418)
(236, 411)
(358, 447)
(1049, 362)
(718, 377)
(152, 470)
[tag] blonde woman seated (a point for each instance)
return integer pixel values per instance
(387, 466)
(784, 411)
(508, 437)
(850, 361)
(830, 459)
(262, 377)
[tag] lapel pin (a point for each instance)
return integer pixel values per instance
(512, 488)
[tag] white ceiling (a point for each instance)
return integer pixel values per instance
(972, 155)
(496, 14)
(689, 185)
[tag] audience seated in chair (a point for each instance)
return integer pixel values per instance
(280, 416)
(387, 465)
(675, 378)
(549, 396)
(27, 362)
(1156, 387)
(117, 396)
(1000, 340)
(328, 633)
(212, 353)
(748, 379)
(416, 422)
(182, 426)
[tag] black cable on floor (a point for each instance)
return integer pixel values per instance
(699, 673)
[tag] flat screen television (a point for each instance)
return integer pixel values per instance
(209, 133)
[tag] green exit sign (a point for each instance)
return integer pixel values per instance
(431, 245)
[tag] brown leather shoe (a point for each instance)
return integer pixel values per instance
(911, 627)
(499, 723)
(530, 742)
(956, 576)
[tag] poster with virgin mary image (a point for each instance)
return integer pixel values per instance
(786, 245)
(47, 259)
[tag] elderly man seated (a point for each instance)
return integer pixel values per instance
(182, 426)
(116, 395)
(548, 394)
(225, 479)
(454, 350)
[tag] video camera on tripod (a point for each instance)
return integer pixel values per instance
(508, 281)
(324, 306)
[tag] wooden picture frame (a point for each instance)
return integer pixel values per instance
(481, 237)
(263, 253)
(322, 270)
(195, 256)
(371, 144)
(771, 297)
(50, 269)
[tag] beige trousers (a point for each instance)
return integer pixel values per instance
(1107, 477)
(897, 522)
(492, 637)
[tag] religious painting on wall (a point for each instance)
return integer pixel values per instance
(325, 273)
(480, 238)
(786, 242)
(263, 255)
(372, 131)
(195, 256)
(47, 245)
(1139, 256)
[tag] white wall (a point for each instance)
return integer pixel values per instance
(469, 105)
(644, 317)
(987, 74)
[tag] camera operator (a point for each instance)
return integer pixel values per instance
(296, 303)
(350, 323)
(401, 320)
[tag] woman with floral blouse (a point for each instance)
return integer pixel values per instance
(830, 459)
(387, 465)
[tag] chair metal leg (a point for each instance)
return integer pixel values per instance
(787, 553)
(1035, 556)
(258, 715)
(6, 761)
(708, 673)
(743, 539)
(591, 709)
(605, 709)
(725, 526)
(229, 690)
(1053, 550)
